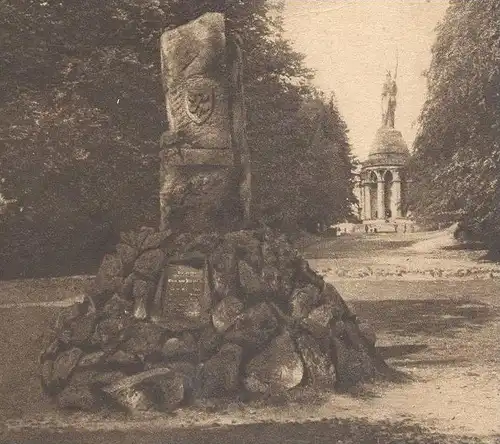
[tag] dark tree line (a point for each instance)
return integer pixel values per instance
(456, 164)
(82, 110)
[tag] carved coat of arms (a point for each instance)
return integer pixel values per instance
(199, 104)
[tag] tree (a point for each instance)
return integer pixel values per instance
(82, 111)
(455, 166)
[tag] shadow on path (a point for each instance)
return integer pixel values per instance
(339, 431)
(436, 317)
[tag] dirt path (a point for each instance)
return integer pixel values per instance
(446, 327)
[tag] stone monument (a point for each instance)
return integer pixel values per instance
(205, 307)
(205, 158)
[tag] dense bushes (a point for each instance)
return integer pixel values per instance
(455, 167)
(82, 110)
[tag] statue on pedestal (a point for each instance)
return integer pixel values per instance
(389, 93)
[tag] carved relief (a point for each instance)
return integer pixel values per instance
(199, 103)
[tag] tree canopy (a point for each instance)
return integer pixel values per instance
(82, 111)
(455, 166)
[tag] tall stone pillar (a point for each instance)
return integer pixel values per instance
(367, 202)
(204, 157)
(380, 199)
(396, 195)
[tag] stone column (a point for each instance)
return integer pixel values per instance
(396, 195)
(367, 201)
(204, 149)
(380, 199)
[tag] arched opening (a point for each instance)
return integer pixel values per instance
(388, 181)
(373, 195)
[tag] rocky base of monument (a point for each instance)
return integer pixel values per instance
(170, 321)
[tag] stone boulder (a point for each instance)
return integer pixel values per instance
(254, 327)
(319, 365)
(278, 366)
(156, 389)
(226, 312)
(219, 376)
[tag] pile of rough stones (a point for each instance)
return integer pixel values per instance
(269, 324)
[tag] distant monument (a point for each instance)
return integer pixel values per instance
(389, 93)
(382, 185)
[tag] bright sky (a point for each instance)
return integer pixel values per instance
(351, 44)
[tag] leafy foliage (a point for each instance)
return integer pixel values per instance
(456, 163)
(82, 110)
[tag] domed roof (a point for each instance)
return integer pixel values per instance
(389, 148)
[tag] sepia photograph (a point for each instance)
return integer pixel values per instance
(250, 221)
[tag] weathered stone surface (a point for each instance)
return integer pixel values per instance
(279, 366)
(250, 279)
(254, 385)
(79, 396)
(82, 327)
(143, 233)
(189, 372)
(91, 359)
(330, 295)
(320, 319)
(224, 271)
(110, 330)
(128, 256)
(148, 390)
(188, 204)
(220, 374)
(269, 251)
(175, 347)
(224, 284)
(150, 263)
(173, 388)
(127, 287)
(111, 266)
(367, 332)
(129, 238)
(225, 313)
(303, 300)
(122, 359)
(105, 286)
(194, 77)
(65, 364)
(52, 348)
(156, 240)
(46, 374)
(246, 247)
(271, 278)
(143, 292)
(208, 343)
(306, 275)
(116, 306)
(352, 366)
(84, 390)
(254, 327)
(143, 339)
(320, 370)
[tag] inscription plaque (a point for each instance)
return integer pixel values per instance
(182, 299)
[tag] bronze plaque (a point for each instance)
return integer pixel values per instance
(186, 281)
(182, 301)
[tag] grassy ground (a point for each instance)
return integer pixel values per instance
(443, 333)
